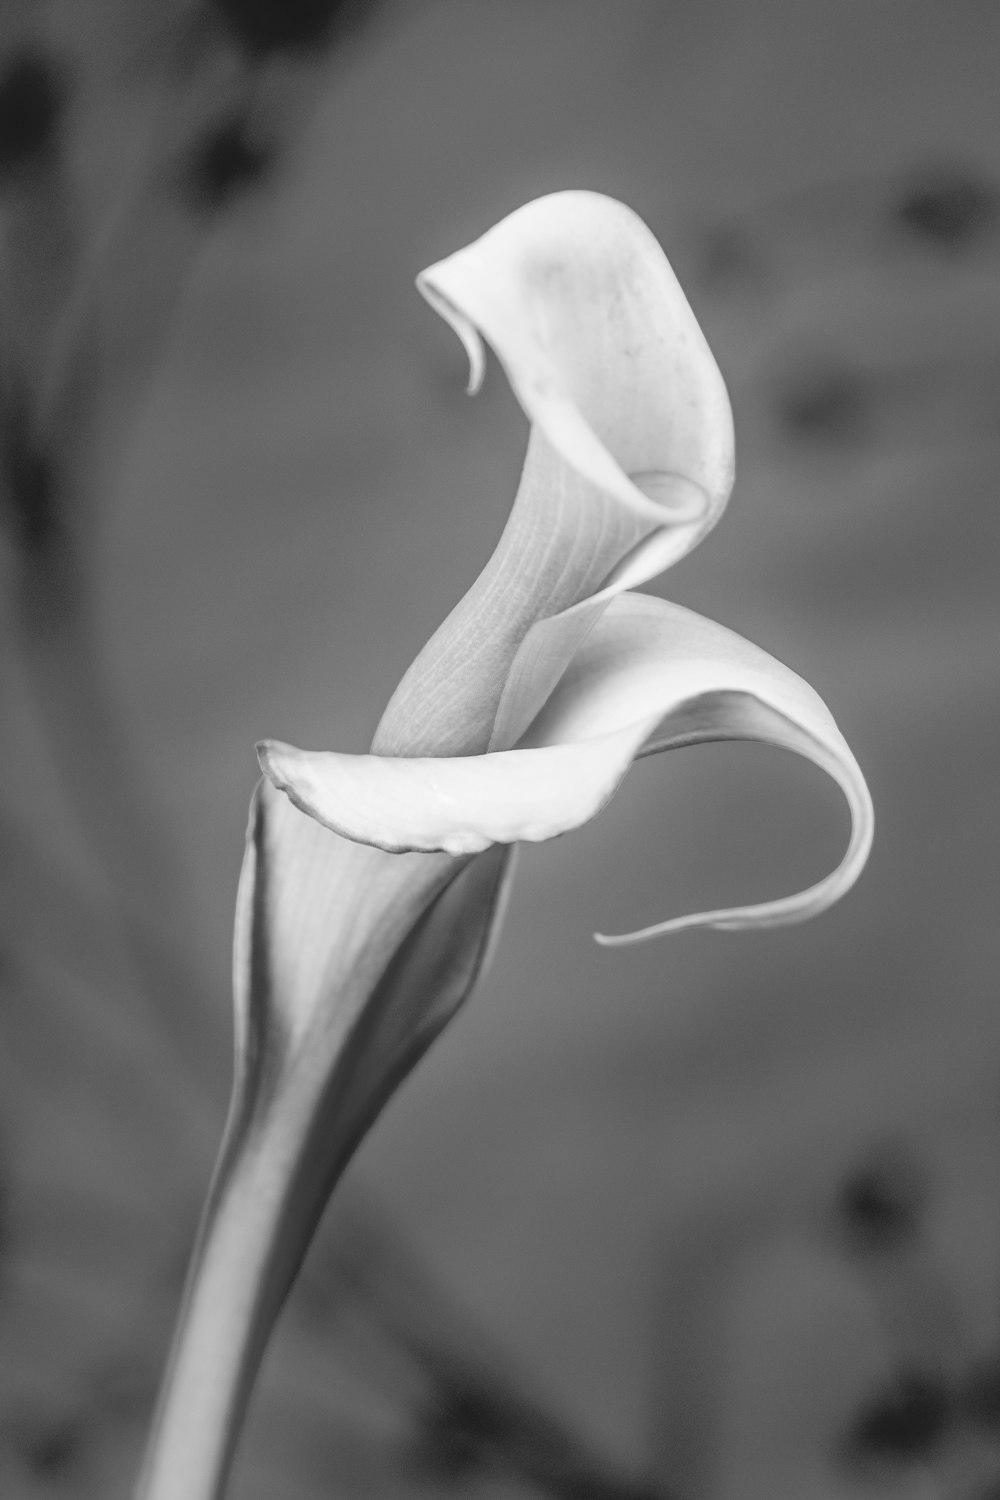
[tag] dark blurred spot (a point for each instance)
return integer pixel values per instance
(947, 209)
(31, 97)
(457, 1433)
(824, 404)
(468, 1432)
(729, 263)
(28, 491)
(586, 1488)
(264, 26)
(904, 1425)
(981, 1396)
(879, 1203)
(50, 1449)
(225, 163)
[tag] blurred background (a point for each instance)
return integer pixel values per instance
(715, 1217)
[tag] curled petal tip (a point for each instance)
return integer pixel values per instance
(787, 910)
(707, 684)
(673, 924)
(660, 929)
(265, 757)
(466, 331)
(600, 346)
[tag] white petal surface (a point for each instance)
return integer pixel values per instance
(459, 804)
(550, 645)
(649, 676)
(578, 300)
(318, 918)
(629, 463)
(708, 683)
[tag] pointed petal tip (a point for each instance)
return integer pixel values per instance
(664, 929)
(267, 758)
(465, 330)
(279, 762)
(787, 911)
(708, 684)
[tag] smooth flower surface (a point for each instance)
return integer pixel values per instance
(373, 885)
(548, 664)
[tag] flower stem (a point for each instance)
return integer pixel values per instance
(235, 1288)
(284, 1150)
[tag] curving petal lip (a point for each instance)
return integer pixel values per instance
(548, 405)
(712, 685)
(463, 327)
(650, 676)
(459, 805)
(579, 260)
(817, 898)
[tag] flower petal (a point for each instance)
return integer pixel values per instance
(416, 931)
(649, 676)
(576, 297)
(314, 1067)
(550, 645)
(317, 920)
(629, 461)
(709, 684)
(460, 804)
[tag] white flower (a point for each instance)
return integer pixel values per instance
(373, 884)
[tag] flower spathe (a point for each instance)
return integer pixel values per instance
(650, 676)
(631, 426)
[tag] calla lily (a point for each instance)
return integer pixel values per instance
(373, 885)
(565, 684)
